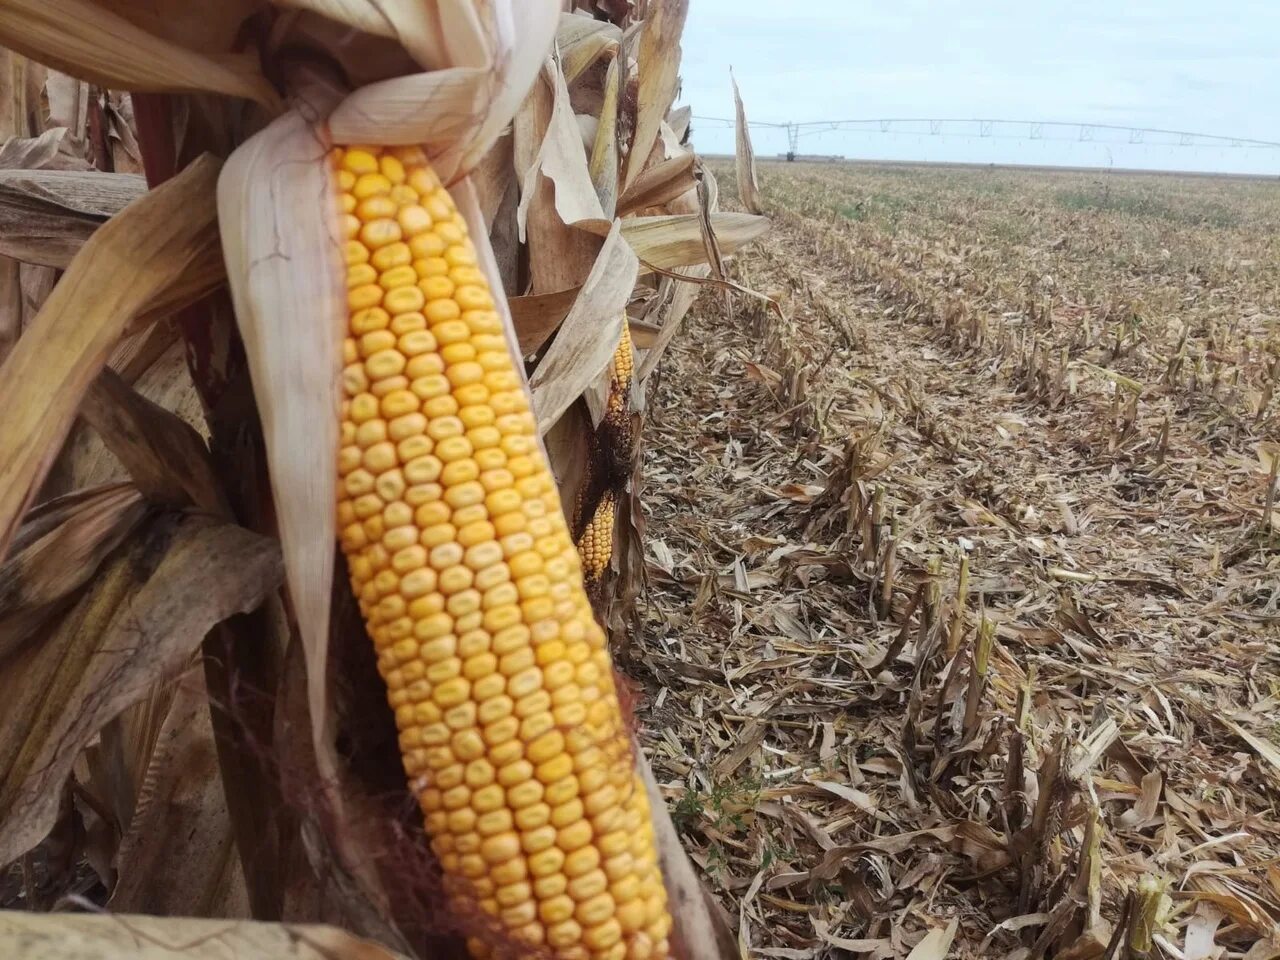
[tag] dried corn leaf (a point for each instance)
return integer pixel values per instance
(144, 615)
(335, 835)
(708, 194)
(57, 550)
(126, 152)
(46, 216)
(748, 189)
(682, 297)
(90, 42)
(458, 111)
(370, 16)
(643, 335)
(937, 943)
(178, 855)
(676, 240)
(537, 316)
(587, 126)
(111, 770)
(1268, 949)
(158, 252)
(529, 127)
(165, 457)
(19, 91)
(596, 395)
(165, 380)
(205, 27)
(670, 145)
(603, 165)
(678, 122)
(280, 240)
(1268, 454)
(590, 334)
(659, 64)
(138, 354)
(31, 153)
(10, 305)
(503, 239)
(523, 31)
(1266, 749)
(582, 40)
(568, 453)
(660, 183)
(58, 936)
(493, 179)
(563, 161)
(37, 283)
(68, 103)
(20, 84)
(362, 57)
(415, 24)
(559, 257)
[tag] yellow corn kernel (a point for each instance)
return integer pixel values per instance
(616, 430)
(620, 373)
(510, 728)
(595, 546)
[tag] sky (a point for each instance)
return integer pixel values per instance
(1204, 66)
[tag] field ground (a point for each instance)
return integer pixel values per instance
(964, 599)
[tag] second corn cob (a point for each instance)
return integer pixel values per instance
(595, 546)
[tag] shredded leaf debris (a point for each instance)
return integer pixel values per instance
(961, 629)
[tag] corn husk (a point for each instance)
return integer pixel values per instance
(658, 66)
(590, 332)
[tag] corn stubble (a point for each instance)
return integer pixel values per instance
(472, 590)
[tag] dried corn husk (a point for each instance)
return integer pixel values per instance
(748, 189)
(281, 250)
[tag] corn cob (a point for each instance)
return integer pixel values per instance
(595, 546)
(616, 431)
(620, 373)
(608, 467)
(469, 583)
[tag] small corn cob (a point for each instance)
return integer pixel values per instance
(595, 546)
(468, 580)
(615, 431)
(608, 467)
(620, 374)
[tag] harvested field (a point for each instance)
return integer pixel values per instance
(964, 570)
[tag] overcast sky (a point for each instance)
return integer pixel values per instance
(1206, 66)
